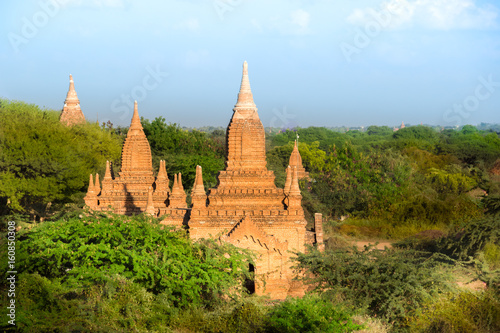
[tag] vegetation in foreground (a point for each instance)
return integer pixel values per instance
(100, 273)
(93, 272)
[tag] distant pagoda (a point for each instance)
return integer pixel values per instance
(72, 113)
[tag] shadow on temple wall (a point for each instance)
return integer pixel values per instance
(187, 216)
(130, 207)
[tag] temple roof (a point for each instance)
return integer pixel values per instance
(136, 153)
(72, 113)
(245, 105)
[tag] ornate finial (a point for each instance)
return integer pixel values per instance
(245, 97)
(136, 120)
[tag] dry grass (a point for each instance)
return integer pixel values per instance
(372, 325)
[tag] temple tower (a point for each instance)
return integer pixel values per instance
(135, 190)
(296, 161)
(136, 153)
(71, 113)
(246, 208)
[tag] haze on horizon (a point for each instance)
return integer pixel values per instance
(311, 63)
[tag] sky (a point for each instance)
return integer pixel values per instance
(311, 63)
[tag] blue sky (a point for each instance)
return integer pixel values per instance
(311, 63)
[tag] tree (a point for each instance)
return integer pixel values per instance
(43, 163)
(183, 150)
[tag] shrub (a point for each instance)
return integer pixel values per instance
(465, 312)
(93, 248)
(309, 314)
(389, 284)
(118, 305)
(467, 239)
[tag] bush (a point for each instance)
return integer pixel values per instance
(309, 314)
(82, 251)
(118, 305)
(466, 240)
(465, 312)
(389, 284)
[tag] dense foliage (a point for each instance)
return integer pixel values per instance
(44, 163)
(93, 248)
(103, 273)
(389, 284)
(310, 314)
(183, 150)
(414, 178)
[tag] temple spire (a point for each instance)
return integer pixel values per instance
(90, 191)
(198, 194)
(175, 187)
(150, 208)
(107, 175)
(71, 84)
(71, 113)
(245, 97)
(136, 120)
(294, 187)
(179, 183)
(296, 161)
(97, 186)
(198, 187)
(162, 172)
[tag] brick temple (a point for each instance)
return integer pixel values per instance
(296, 162)
(72, 113)
(245, 209)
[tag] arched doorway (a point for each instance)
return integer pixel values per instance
(249, 283)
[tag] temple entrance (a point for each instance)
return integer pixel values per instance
(249, 283)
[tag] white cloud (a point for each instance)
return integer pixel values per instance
(300, 18)
(433, 14)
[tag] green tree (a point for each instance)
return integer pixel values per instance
(43, 163)
(183, 150)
